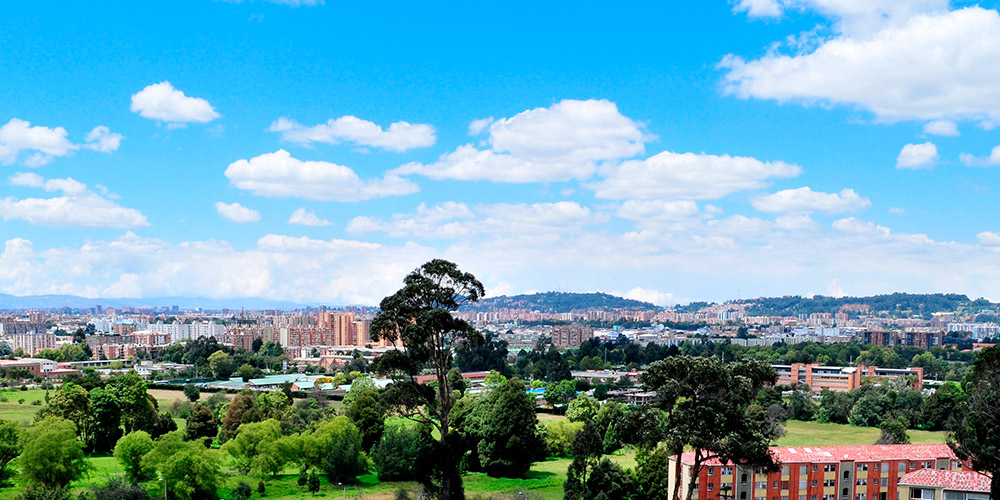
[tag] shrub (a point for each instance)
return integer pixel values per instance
(118, 488)
(398, 456)
(242, 491)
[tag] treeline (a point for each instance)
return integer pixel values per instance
(895, 304)
(559, 302)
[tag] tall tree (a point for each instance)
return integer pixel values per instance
(977, 436)
(130, 450)
(508, 443)
(52, 456)
(10, 447)
(419, 315)
(711, 410)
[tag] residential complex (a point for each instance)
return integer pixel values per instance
(934, 484)
(818, 473)
(842, 378)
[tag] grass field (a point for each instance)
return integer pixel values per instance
(817, 434)
(21, 412)
(544, 480)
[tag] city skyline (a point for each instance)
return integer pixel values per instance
(313, 152)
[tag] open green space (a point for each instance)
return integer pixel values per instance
(800, 433)
(14, 409)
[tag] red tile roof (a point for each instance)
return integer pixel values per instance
(948, 479)
(833, 454)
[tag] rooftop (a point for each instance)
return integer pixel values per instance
(948, 479)
(831, 454)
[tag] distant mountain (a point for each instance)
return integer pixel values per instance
(14, 302)
(559, 302)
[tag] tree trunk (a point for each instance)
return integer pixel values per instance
(451, 477)
(678, 470)
(995, 486)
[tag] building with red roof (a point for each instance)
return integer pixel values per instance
(817, 473)
(934, 484)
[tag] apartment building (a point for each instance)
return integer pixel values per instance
(925, 338)
(818, 473)
(842, 378)
(570, 335)
(933, 484)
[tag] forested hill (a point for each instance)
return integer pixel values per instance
(559, 302)
(895, 304)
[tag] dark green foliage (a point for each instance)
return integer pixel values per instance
(893, 431)
(312, 482)
(261, 488)
(977, 436)
(419, 315)
(192, 392)
(562, 302)
(586, 451)
(369, 416)
(130, 451)
(201, 424)
(242, 491)
(241, 404)
(712, 409)
(402, 452)
(653, 474)
(870, 410)
(507, 443)
(120, 489)
(896, 304)
(609, 481)
(36, 492)
(191, 471)
(490, 355)
(10, 448)
(106, 419)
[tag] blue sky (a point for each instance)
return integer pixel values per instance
(317, 151)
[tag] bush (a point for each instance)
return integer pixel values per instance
(398, 456)
(36, 403)
(118, 488)
(43, 493)
(242, 492)
(559, 436)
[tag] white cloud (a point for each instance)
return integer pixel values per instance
(562, 142)
(76, 207)
(945, 128)
(649, 295)
(18, 135)
(400, 136)
(304, 217)
(235, 212)
(458, 220)
(759, 8)
(161, 101)
(925, 66)
(973, 161)
(279, 175)
(897, 210)
(795, 222)
(28, 179)
(917, 156)
(478, 126)
(804, 200)
(989, 238)
(102, 139)
(688, 176)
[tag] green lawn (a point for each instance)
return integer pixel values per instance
(21, 412)
(816, 434)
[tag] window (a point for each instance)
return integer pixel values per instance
(829, 497)
(885, 482)
(862, 467)
(815, 468)
(847, 474)
(830, 468)
(784, 470)
(902, 467)
(876, 467)
(743, 479)
(928, 465)
(727, 471)
(760, 485)
(814, 483)
(803, 469)
(743, 495)
(861, 482)
(711, 471)
(775, 485)
(922, 493)
(860, 496)
(711, 486)
(759, 498)
(845, 493)
(802, 485)
(784, 485)
(829, 482)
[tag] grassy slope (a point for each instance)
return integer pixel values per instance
(545, 478)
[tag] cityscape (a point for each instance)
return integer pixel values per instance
(296, 249)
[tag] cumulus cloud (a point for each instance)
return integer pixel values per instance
(804, 200)
(974, 161)
(562, 142)
(688, 176)
(918, 63)
(795, 222)
(304, 217)
(917, 156)
(897, 210)
(400, 136)
(161, 101)
(76, 207)
(649, 295)
(989, 238)
(945, 128)
(18, 135)
(759, 8)
(102, 139)
(457, 220)
(235, 212)
(278, 174)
